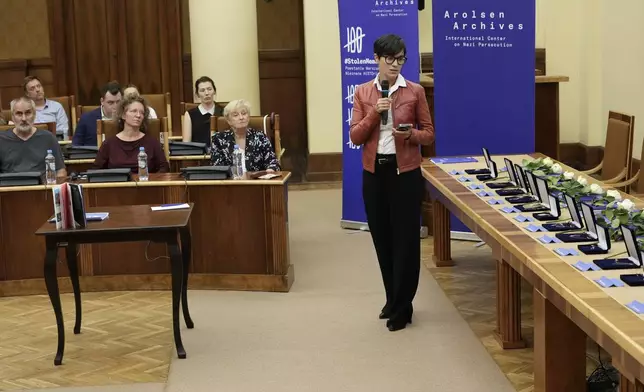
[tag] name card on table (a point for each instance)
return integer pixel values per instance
(636, 306)
(485, 193)
(456, 172)
(581, 266)
(522, 219)
(475, 186)
(465, 179)
(549, 240)
(495, 201)
(535, 228)
(609, 282)
(509, 210)
(566, 252)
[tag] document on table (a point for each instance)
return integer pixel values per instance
(165, 207)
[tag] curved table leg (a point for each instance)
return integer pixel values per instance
(177, 280)
(51, 281)
(186, 255)
(72, 264)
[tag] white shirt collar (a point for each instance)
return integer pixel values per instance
(400, 82)
(203, 110)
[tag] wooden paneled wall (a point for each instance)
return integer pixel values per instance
(95, 41)
(13, 72)
(282, 81)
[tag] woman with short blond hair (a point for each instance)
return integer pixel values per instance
(256, 148)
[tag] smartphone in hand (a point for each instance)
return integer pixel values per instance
(404, 127)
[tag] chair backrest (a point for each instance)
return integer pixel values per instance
(69, 104)
(618, 149)
(85, 109)
(185, 106)
(157, 128)
(50, 126)
(161, 104)
(6, 115)
(638, 187)
(269, 123)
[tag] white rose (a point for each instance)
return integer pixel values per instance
(582, 181)
(569, 175)
(596, 189)
(556, 168)
(548, 162)
(626, 205)
(614, 194)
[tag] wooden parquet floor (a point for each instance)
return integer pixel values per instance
(470, 285)
(126, 338)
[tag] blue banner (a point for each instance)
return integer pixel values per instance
(484, 77)
(361, 23)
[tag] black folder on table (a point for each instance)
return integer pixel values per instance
(187, 148)
(196, 173)
(80, 152)
(21, 179)
(109, 175)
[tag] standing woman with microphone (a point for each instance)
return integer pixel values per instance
(391, 121)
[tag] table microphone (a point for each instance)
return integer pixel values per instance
(385, 94)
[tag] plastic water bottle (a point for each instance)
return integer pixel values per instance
(143, 164)
(238, 163)
(50, 168)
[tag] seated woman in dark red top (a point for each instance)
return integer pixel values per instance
(122, 150)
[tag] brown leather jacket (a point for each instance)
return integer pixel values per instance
(409, 107)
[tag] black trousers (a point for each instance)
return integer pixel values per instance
(393, 203)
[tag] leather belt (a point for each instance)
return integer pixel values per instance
(384, 159)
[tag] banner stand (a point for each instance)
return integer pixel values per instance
(361, 23)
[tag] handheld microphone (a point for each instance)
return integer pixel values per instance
(385, 94)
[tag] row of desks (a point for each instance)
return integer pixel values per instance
(568, 305)
(240, 237)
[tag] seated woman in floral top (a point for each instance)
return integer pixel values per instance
(259, 154)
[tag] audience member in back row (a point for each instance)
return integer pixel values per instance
(132, 91)
(258, 153)
(46, 109)
(85, 134)
(196, 122)
(23, 149)
(122, 150)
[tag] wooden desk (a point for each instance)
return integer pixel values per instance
(546, 125)
(568, 305)
(240, 237)
(124, 224)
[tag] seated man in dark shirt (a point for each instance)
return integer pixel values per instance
(23, 148)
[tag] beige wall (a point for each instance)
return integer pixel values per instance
(223, 36)
(323, 75)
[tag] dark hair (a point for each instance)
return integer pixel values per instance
(204, 79)
(29, 79)
(125, 103)
(389, 45)
(112, 87)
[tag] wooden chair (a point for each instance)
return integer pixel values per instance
(633, 184)
(156, 128)
(618, 149)
(49, 126)
(69, 104)
(162, 106)
(269, 123)
(6, 115)
(85, 109)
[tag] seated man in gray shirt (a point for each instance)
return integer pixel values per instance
(23, 148)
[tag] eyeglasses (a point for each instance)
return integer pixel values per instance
(390, 60)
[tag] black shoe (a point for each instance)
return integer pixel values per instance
(397, 325)
(383, 315)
